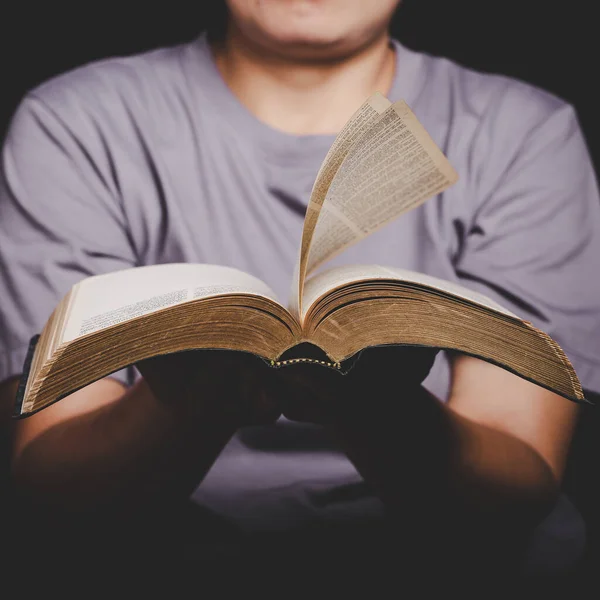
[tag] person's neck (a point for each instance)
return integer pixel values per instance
(302, 97)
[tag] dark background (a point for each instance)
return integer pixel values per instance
(554, 46)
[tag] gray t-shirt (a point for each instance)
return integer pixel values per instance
(151, 159)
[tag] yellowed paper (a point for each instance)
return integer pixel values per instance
(358, 124)
(394, 167)
(326, 281)
(104, 300)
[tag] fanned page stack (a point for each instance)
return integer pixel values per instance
(382, 164)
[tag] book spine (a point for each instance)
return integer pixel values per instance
(25, 376)
(291, 361)
(341, 367)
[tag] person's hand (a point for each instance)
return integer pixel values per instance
(382, 374)
(228, 385)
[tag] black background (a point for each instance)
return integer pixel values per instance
(552, 45)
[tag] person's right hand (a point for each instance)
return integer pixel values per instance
(230, 385)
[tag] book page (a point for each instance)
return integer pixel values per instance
(394, 167)
(104, 300)
(326, 281)
(360, 121)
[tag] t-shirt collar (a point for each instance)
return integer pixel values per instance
(280, 146)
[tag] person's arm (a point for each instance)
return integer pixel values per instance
(498, 447)
(107, 447)
(104, 447)
(464, 482)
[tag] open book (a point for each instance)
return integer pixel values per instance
(382, 164)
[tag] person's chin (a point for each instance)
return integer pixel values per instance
(317, 48)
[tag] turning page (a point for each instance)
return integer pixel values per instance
(358, 124)
(393, 167)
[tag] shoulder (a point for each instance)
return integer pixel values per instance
(490, 124)
(115, 106)
(481, 104)
(111, 93)
(114, 76)
(482, 91)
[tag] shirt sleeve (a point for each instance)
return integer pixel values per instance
(534, 241)
(61, 220)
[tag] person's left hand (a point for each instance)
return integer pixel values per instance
(316, 394)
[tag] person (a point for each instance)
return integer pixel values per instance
(206, 152)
